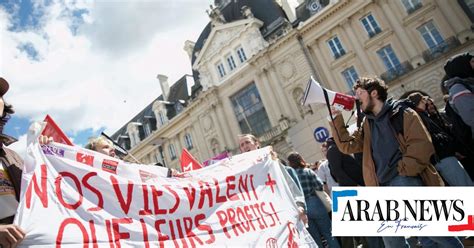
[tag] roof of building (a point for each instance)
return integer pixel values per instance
(303, 13)
(269, 12)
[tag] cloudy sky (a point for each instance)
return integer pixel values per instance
(91, 65)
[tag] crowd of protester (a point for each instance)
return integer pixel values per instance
(404, 142)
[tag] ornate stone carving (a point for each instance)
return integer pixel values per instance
(215, 146)
(246, 11)
(204, 78)
(256, 41)
(287, 69)
(216, 16)
(221, 39)
(206, 122)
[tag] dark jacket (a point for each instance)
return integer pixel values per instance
(443, 142)
(343, 167)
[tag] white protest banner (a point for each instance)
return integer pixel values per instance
(73, 197)
(403, 211)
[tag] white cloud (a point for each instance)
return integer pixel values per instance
(139, 22)
(104, 72)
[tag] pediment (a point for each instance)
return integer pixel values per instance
(223, 35)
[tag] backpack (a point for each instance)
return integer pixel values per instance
(442, 141)
(397, 119)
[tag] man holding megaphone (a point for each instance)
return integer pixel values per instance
(396, 147)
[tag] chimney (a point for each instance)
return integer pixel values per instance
(189, 48)
(165, 88)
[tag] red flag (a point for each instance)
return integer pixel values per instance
(52, 130)
(188, 162)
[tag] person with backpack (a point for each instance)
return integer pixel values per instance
(318, 220)
(444, 160)
(390, 158)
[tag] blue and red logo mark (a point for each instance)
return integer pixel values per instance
(469, 226)
(463, 227)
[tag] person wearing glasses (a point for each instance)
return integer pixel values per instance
(396, 146)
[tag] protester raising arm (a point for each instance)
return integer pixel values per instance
(346, 142)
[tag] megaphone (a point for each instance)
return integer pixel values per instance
(314, 93)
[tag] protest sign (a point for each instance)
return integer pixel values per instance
(73, 197)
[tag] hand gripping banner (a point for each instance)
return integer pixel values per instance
(73, 197)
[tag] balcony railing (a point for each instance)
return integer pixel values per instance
(442, 48)
(396, 72)
(276, 131)
(339, 54)
(374, 32)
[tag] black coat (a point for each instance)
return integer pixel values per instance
(344, 168)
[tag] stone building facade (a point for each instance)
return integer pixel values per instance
(253, 60)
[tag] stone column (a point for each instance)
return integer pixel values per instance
(224, 125)
(201, 143)
(233, 128)
(218, 126)
(358, 47)
(282, 98)
(177, 145)
(453, 18)
(397, 26)
(268, 99)
(323, 61)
